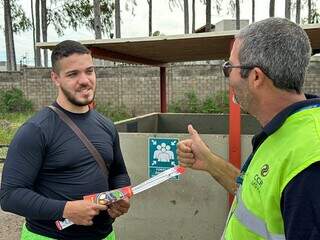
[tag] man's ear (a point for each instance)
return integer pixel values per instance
(259, 77)
(55, 78)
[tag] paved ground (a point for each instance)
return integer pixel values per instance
(10, 224)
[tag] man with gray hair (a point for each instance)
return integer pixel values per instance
(277, 188)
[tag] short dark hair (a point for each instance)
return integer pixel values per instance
(65, 49)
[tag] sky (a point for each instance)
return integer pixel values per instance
(167, 21)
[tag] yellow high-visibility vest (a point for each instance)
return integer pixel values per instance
(255, 213)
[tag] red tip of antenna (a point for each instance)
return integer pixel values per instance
(181, 170)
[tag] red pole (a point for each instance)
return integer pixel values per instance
(163, 90)
(234, 133)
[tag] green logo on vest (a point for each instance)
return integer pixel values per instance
(257, 181)
(264, 170)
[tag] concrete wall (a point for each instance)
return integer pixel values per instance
(178, 122)
(137, 87)
(194, 207)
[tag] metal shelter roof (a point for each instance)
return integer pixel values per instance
(161, 50)
(158, 51)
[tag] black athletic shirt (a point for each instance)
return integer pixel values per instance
(300, 202)
(47, 165)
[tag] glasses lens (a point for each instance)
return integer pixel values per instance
(226, 69)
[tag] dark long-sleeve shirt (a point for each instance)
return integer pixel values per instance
(300, 205)
(47, 165)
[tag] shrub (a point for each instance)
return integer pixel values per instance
(189, 104)
(218, 103)
(113, 112)
(13, 100)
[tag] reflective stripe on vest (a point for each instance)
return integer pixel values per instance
(252, 222)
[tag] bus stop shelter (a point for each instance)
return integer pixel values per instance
(162, 50)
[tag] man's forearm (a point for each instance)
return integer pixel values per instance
(27, 203)
(223, 172)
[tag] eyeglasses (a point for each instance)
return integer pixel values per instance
(227, 68)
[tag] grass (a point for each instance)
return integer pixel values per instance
(9, 124)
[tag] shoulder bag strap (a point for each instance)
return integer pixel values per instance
(96, 155)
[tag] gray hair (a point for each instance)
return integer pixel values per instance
(280, 48)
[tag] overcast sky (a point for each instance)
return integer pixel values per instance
(168, 22)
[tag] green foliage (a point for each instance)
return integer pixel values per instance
(81, 13)
(76, 14)
(20, 22)
(156, 33)
(113, 112)
(218, 103)
(13, 100)
(9, 124)
(57, 20)
(315, 16)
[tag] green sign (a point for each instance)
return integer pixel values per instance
(162, 155)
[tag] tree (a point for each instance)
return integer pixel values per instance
(298, 11)
(288, 9)
(97, 19)
(185, 8)
(42, 16)
(234, 6)
(44, 28)
(208, 15)
(237, 14)
(81, 13)
(33, 33)
(150, 17)
(10, 51)
(186, 16)
(20, 22)
(253, 11)
(309, 10)
(58, 19)
(193, 16)
(37, 15)
(271, 8)
(117, 18)
(15, 21)
(313, 14)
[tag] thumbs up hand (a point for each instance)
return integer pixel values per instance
(193, 152)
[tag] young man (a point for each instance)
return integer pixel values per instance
(277, 188)
(48, 169)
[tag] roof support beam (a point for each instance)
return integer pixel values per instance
(163, 90)
(101, 53)
(234, 132)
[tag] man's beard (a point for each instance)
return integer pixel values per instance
(243, 100)
(71, 98)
